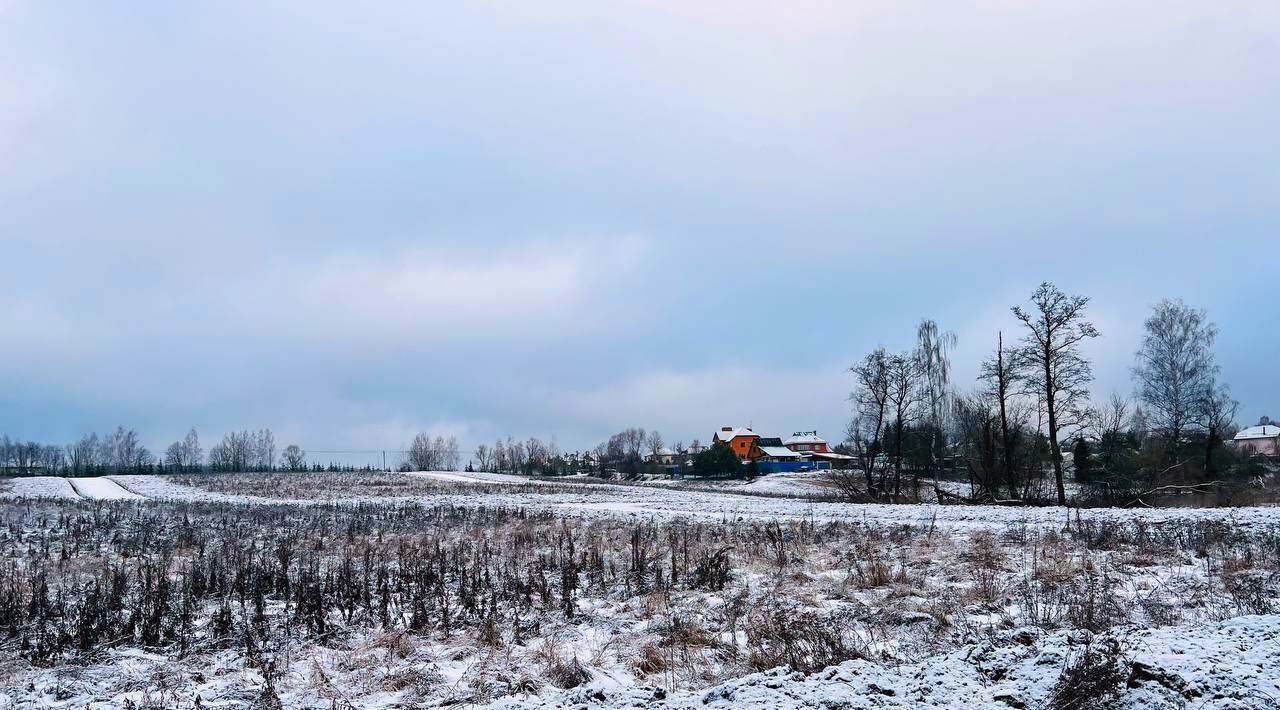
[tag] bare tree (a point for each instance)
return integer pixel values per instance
(870, 399)
(537, 455)
(1174, 368)
(192, 454)
(1055, 368)
(483, 459)
(977, 418)
(293, 458)
(654, 444)
(173, 456)
(84, 454)
(235, 452)
(1001, 373)
(438, 454)
(498, 455)
(263, 450)
(22, 454)
(1117, 475)
(601, 455)
(516, 455)
(904, 398)
(1216, 415)
(51, 459)
(1110, 419)
(185, 455)
(124, 451)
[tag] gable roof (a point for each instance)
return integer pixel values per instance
(1265, 431)
(805, 437)
(779, 452)
(722, 435)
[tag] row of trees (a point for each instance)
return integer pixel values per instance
(626, 454)
(1032, 397)
(122, 451)
(428, 454)
(530, 457)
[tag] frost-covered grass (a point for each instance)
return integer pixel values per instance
(589, 498)
(462, 598)
(364, 485)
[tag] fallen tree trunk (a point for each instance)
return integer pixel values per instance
(946, 498)
(1201, 488)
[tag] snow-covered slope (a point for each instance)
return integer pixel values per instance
(40, 487)
(101, 488)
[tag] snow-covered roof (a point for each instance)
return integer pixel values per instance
(832, 456)
(733, 431)
(1265, 431)
(805, 438)
(779, 452)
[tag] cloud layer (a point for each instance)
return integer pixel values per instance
(351, 223)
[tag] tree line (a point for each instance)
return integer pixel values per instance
(628, 454)
(1030, 419)
(122, 451)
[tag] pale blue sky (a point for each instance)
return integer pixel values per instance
(353, 223)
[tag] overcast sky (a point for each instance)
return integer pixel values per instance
(353, 221)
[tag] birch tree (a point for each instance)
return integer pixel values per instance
(1174, 369)
(933, 350)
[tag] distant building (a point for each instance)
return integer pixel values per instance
(815, 448)
(772, 449)
(741, 440)
(1262, 439)
(806, 441)
(662, 457)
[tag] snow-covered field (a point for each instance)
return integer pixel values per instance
(1232, 664)
(580, 499)
(561, 593)
(39, 487)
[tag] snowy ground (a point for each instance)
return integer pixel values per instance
(1232, 664)
(939, 600)
(40, 487)
(666, 502)
(101, 488)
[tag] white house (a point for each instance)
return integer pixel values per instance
(1262, 439)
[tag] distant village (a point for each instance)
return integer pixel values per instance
(801, 451)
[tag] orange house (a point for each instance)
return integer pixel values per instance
(741, 440)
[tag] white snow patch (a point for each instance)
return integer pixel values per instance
(39, 487)
(102, 488)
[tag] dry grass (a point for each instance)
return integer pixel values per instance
(489, 591)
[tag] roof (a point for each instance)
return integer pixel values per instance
(732, 432)
(833, 457)
(1265, 431)
(779, 452)
(805, 437)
